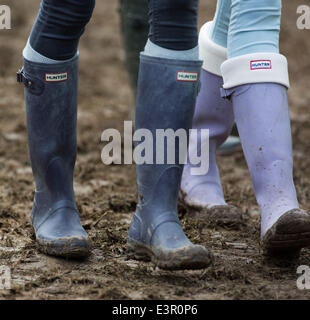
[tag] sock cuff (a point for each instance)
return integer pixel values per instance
(255, 68)
(31, 55)
(212, 54)
(153, 50)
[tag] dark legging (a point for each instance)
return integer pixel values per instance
(60, 24)
(173, 23)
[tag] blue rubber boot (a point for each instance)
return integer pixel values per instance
(167, 91)
(51, 112)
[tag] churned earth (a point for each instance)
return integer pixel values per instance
(106, 195)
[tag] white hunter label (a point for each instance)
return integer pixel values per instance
(56, 77)
(261, 64)
(187, 76)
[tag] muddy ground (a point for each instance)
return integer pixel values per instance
(106, 195)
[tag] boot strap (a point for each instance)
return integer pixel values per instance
(21, 78)
(35, 86)
(225, 94)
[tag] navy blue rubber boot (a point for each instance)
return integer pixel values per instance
(167, 91)
(51, 112)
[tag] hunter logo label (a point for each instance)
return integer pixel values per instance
(260, 64)
(187, 76)
(56, 77)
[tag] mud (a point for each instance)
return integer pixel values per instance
(106, 195)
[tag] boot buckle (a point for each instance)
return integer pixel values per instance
(22, 79)
(224, 94)
(20, 75)
(35, 86)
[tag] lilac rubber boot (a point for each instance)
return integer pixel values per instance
(204, 193)
(257, 85)
(262, 116)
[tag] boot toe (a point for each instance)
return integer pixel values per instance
(229, 216)
(70, 247)
(289, 234)
(63, 235)
(170, 249)
(190, 257)
(220, 215)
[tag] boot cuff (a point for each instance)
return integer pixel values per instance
(255, 68)
(212, 54)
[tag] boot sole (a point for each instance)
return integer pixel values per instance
(288, 235)
(74, 248)
(189, 258)
(221, 215)
(226, 216)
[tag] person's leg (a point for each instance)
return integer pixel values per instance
(59, 26)
(167, 89)
(204, 193)
(218, 35)
(219, 30)
(50, 77)
(134, 30)
(256, 79)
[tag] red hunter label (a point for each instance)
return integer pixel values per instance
(260, 64)
(56, 77)
(187, 76)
